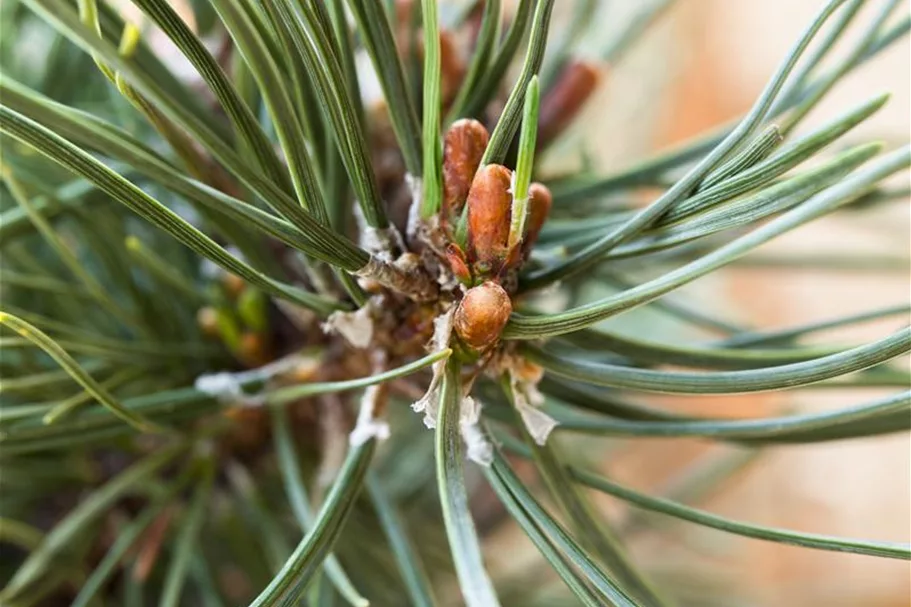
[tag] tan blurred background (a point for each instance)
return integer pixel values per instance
(716, 56)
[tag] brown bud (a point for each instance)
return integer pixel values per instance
(539, 203)
(253, 350)
(489, 209)
(403, 10)
(452, 68)
(404, 18)
(233, 284)
(463, 148)
(207, 321)
(474, 20)
(456, 258)
(482, 314)
(452, 63)
(564, 100)
(248, 431)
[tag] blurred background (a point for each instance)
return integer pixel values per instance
(716, 57)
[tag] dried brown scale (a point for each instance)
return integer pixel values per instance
(405, 276)
(463, 148)
(405, 332)
(562, 102)
(431, 236)
(458, 264)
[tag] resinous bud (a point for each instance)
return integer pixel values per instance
(489, 210)
(482, 313)
(452, 67)
(563, 101)
(207, 321)
(539, 203)
(463, 148)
